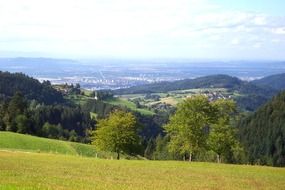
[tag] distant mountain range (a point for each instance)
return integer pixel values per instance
(37, 66)
(212, 81)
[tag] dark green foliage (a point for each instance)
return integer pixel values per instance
(22, 124)
(71, 122)
(263, 133)
(252, 102)
(29, 87)
(103, 94)
(52, 131)
(161, 151)
(101, 108)
(150, 147)
(75, 89)
(152, 96)
(52, 121)
(17, 105)
(150, 124)
(273, 81)
(13, 113)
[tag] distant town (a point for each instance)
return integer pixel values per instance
(116, 74)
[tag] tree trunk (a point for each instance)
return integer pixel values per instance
(118, 155)
(218, 158)
(184, 157)
(190, 157)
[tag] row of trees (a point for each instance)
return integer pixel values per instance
(53, 121)
(198, 127)
(10, 83)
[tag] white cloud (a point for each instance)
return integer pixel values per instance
(276, 41)
(235, 41)
(280, 30)
(157, 28)
(257, 45)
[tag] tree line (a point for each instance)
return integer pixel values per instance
(198, 128)
(17, 114)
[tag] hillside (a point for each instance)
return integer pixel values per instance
(48, 171)
(10, 83)
(30, 107)
(215, 81)
(249, 96)
(263, 133)
(15, 141)
(274, 81)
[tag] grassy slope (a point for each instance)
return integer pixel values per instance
(78, 99)
(47, 171)
(128, 104)
(82, 99)
(14, 141)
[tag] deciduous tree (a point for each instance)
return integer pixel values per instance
(117, 133)
(188, 127)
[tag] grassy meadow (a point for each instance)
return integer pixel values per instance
(20, 170)
(124, 102)
(28, 162)
(28, 143)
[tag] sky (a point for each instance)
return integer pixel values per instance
(143, 29)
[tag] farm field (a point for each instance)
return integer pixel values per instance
(150, 105)
(20, 170)
(157, 101)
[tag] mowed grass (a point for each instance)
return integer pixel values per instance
(19, 170)
(15, 141)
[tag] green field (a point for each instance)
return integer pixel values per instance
(19, 170)
(128, 104)
(175, 97)
(27, 143)
(78, 99)
(28, 162)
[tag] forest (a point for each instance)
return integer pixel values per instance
(197, 130)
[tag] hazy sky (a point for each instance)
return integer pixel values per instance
(205, 29)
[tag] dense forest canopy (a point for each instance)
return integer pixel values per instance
(29, 87)
(274, 81)
(263, 133)
(30, 107)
